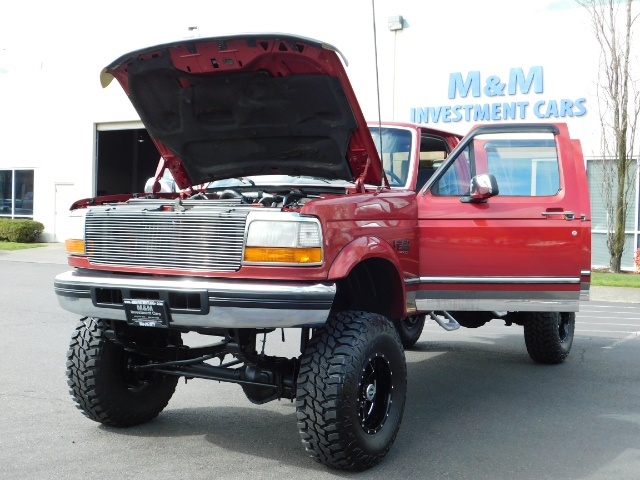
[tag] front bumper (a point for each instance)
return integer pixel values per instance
(199, 303)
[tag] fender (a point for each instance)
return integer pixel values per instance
(361, 249)
(364, 248)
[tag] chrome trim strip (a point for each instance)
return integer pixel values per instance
(502, 280)
(237, 304)
(497, 294)
(586, 273)
(521, 305)
(523, 301)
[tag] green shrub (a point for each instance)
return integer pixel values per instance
(20, 231)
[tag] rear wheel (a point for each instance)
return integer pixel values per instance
(103, 383)
(409, 329)
(351, 391)
(549, 335)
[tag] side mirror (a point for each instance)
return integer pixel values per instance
(483, 187)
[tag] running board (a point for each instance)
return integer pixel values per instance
(452, 324)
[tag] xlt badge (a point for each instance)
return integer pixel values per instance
(402, 246)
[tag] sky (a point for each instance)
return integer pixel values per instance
(32, 32)
(41, 44)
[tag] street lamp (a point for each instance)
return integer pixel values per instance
(395, 23)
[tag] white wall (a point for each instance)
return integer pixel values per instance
(492, 38)
(51, 99)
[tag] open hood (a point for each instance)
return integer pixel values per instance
(249, 105)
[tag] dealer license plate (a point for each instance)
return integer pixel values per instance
(146, 313)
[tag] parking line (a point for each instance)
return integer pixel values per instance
(612, 324)
(622, 340)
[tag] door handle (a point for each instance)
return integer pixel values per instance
(567, 214)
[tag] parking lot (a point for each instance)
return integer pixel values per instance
(477, 407)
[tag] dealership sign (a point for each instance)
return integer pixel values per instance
(497, 105)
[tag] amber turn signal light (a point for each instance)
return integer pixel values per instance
(282, 255)
(74, 245)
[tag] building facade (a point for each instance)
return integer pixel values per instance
(449, 65)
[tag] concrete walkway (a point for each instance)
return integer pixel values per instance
(50, 253)
(615, 294)
(55, 253)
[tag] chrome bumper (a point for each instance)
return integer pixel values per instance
(199, 303)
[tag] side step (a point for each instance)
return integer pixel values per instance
(452, 323)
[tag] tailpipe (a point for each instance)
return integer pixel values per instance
(451, 324)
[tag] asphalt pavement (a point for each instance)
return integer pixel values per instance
(477, 407)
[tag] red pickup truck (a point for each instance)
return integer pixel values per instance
(294, 213)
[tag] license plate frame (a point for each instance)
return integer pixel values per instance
(146, 313)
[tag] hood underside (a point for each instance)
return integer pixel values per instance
(249, 105)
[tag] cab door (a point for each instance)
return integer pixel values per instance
(519, 250)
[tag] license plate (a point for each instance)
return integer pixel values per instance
(146, 313)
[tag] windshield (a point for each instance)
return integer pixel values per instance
(394, 148)
(264, 180)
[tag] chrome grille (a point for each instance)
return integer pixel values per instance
(204, 238)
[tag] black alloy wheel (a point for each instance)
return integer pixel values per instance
(351, 390)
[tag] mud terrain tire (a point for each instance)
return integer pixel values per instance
(549, 335)
(410, 329)
(351, 391)
(103, 386)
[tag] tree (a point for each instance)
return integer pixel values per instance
(619, 105)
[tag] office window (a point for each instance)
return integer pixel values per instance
(16, 192)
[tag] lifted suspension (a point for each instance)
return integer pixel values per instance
(262, 377)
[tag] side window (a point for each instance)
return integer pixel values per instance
(456, 178)
(394, 148)
(523, 165)
(433, 151)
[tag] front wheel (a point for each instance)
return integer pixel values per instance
(549, 335)
(352, 386)
(409, 329)
(103, 383)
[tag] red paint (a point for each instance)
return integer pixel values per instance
(422, 235)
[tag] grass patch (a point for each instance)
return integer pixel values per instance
(600, 279)
(19, 246)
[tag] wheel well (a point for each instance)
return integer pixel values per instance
(371, 286)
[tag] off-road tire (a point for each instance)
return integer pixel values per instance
(549, 335)
(351, 390)
(409, 329)
(104, 389)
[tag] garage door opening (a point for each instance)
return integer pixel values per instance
(126, 159)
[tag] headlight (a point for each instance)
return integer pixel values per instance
(75, 245)
(296, 241)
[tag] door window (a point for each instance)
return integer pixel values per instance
(456, 179)
(523, 165)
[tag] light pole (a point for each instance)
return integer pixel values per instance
(395, 24)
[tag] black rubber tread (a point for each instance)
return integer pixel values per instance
(410, 334)
(545, 344)
(327, 390)
(96, 370)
